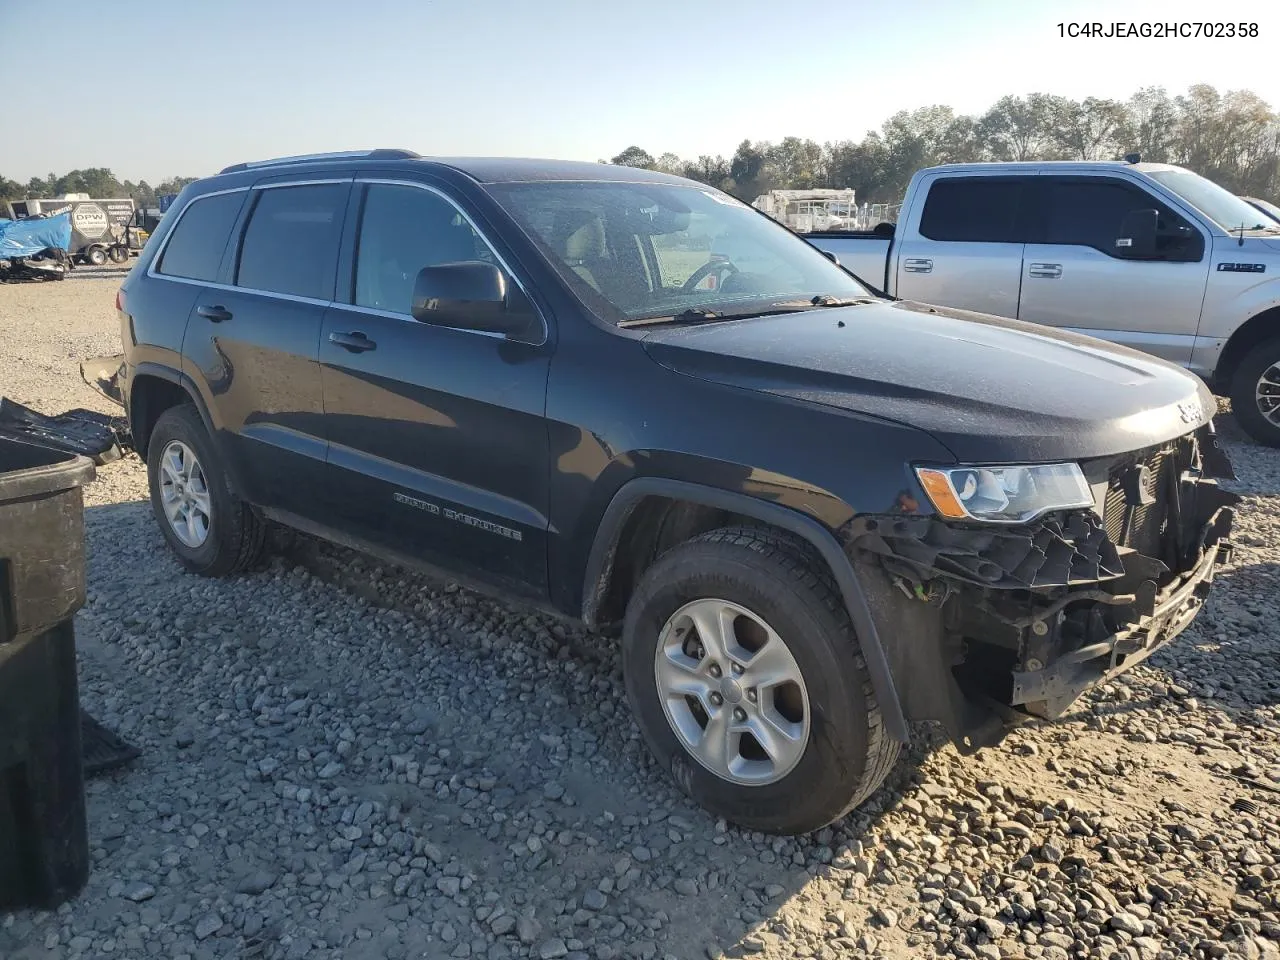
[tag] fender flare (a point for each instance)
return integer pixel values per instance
(600, 561)
(179, 379)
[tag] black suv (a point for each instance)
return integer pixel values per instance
(815, 514)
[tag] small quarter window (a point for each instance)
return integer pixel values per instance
(200, 236)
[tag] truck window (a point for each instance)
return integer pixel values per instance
(199, 238)
(1089, 213)
(973, 210)
(291, 243)
(402, 230)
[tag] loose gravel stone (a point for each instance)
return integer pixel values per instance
(139, 892)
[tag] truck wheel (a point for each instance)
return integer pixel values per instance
(212, 532)
(745, 677)
(119, 254)
(1255, 393)
(96, 255)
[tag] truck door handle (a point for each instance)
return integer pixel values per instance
(355, 341)
(216, 313)
(918, 265)
(1046, 271)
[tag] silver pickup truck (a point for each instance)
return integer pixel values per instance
(1147, 255)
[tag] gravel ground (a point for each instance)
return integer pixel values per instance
(341, 760)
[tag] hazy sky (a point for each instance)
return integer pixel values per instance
(187, 87)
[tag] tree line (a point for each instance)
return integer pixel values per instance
(97, 182)
(1232, 138)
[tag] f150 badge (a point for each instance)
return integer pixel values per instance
(1242, 268)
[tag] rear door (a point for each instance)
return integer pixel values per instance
(437, 438)
(1076, 275)
(966, 248)
(252, 340)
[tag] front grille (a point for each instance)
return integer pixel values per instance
(1147, 526)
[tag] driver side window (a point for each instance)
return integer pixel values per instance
(1090, 212)
(402, 230)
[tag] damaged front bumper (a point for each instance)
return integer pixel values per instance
(1050, 690)
(989, 625)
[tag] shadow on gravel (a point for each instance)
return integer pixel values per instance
(701, 888)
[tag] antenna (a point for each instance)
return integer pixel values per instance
(1240, 241)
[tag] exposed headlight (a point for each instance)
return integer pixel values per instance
(1005, 494)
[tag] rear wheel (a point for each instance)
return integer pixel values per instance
(212, 531)
(746, 679)
(1255, 393)
(96, 255)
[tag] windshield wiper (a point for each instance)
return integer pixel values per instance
(692, 315)
(705, 315)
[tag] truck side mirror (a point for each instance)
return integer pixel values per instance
(1137, 239)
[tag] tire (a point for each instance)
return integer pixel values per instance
(1262, 425)
(234, 535)
(96, 255)
(119, 254)
(846, 753)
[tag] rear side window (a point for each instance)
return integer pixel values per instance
(973, 210)
(291, 243)
(200, 237)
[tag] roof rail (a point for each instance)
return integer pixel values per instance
(382, 154)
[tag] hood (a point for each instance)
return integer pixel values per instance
(992, 390)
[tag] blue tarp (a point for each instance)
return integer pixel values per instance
(26, 238)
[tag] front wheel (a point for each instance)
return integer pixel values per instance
(211, 531)
(1255, 393)
(97, 256)
(746, 679)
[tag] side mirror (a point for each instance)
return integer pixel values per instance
(471, 295)
(1137, 237)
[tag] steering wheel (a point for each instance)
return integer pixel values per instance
(708, 268)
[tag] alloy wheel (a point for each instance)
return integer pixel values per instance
(184, 494)
(732, 692)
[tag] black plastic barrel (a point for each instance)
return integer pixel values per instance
(44, 846)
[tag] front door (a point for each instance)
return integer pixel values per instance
(1076, 276)
(437, 441)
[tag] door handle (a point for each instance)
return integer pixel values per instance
(918, 265)
(1046, 271)
(215, 314)
(355, 341)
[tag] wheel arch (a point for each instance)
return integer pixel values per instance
(1257, 329)
(643, 497)
(155, 388)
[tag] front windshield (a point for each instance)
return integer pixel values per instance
(1268, 207)
(640, 250)
(1218, 204)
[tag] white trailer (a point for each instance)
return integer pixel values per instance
(810, 211)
